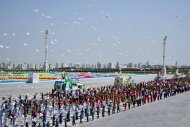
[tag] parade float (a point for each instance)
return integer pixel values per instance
(188, 74)
(123, 80)
(158, 77)
(65, 83)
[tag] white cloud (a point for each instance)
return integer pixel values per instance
(4, 34)
(93, 44)
(25, 44)
(1, 46)
(87, 49)
(13, 34)
(52, 42)
(107, 15)
(36, 10)
(52, 33)
(89, 6)
(27, 33)
(69, 50)
(80, 18)
(48, 17)
(118, 42)
(37, 50)
(77, 23)
(93, 28)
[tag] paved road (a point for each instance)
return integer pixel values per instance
(170, 112)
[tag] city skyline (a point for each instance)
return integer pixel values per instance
(88, 31)
(97, 65)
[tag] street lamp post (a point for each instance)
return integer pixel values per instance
(46, 51)
(164, 58)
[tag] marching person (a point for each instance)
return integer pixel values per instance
(98, 111)
(109, 108)
(118, 107)
(57, 123)
(113, 109)
(74, 120)
(65, 122)
(87, 115)
(60, 118)
(103, 111)
(81, 118)
(92, 114)
(48, 124)
(53, 120)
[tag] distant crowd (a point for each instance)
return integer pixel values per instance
(73, 108)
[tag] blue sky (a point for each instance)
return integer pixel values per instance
(87, 31)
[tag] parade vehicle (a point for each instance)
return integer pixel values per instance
(188, 74)
(68, 84)
(177, 74)
(123, 80)
(158, 77)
